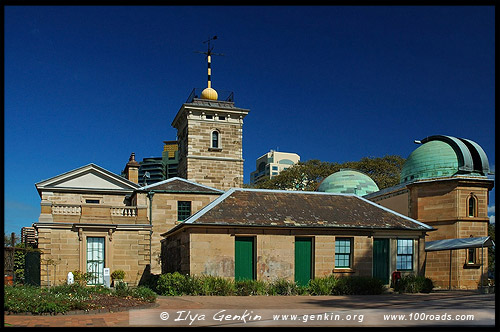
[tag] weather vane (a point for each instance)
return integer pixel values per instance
(209, 54)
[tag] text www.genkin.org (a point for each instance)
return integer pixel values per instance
(325, 316)
(218, 317)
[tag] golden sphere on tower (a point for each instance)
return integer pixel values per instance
(209, 93)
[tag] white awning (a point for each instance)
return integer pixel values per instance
(452, 244)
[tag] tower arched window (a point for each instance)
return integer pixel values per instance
(472, 205)
(215, 140)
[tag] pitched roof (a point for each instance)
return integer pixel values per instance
(89, 177)
(179, 185)
(254, 207)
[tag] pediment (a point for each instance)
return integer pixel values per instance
(89, 177)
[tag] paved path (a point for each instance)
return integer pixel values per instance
(391, 303)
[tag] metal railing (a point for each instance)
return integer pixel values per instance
(223, 95)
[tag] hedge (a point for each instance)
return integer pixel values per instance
(414, 284)
(177, 284)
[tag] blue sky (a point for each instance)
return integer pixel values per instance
(337, 83)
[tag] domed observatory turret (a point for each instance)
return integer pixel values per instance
(348, 181)
(445, 156)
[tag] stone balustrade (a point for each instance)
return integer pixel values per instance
(75, 212)
(124, 211)
(67, 209)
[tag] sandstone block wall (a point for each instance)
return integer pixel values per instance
(65, 250)
(164, 217)
(211, 251)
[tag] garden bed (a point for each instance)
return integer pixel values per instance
(74, 298)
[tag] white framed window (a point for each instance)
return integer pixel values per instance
(404, 258)
(472, 205)
(215, 140)
(343, 253)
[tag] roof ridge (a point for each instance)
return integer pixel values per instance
(176, 178)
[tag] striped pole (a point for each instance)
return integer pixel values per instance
(209, 53)
(209, 58)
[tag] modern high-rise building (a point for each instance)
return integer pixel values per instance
(272, 164)
(170, 157)
(156, 169)
(152, 170)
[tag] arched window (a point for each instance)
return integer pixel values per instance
(215, 139)
(472, 206)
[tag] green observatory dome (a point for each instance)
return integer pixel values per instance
(444, 156)
(348, 181)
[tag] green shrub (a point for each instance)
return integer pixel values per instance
(211, 285)
(144, 293)
(322, 286)
(250, 287)
(352, 285)
(282, 286)
(121, 289)
(414, 284)
(173, 284)
(81, 278)
(118, 275)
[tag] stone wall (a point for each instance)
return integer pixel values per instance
(219, 174)
(211, 251)
(463, 274)
(164, 217)
(221, 168)
(396, 201)
(175, 253)
(64, 249)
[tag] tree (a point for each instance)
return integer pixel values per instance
(8, 239)
(308, 175)
(384, 171)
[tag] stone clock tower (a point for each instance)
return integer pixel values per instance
(210, 136)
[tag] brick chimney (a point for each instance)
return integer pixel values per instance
(132, 169)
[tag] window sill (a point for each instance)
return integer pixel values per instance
(472, 266)
(343, 270)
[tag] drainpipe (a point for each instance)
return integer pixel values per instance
(150, 195)
(482, 264)
(449, 285)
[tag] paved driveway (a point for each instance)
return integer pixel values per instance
(447, 308)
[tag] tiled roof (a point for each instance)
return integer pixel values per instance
(244, 207)
(180, 185)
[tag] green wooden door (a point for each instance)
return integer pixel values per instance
(244, 258)
(381, 259)
(303, 260)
